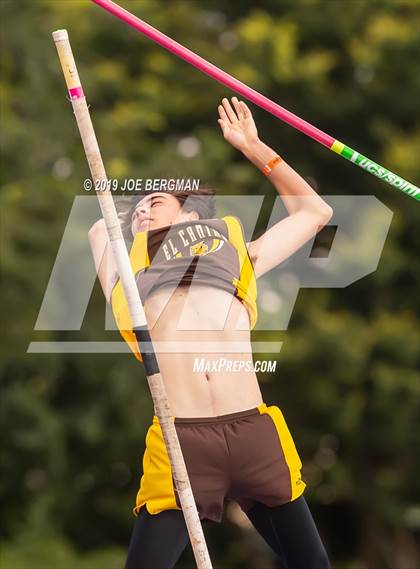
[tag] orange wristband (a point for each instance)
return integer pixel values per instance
(270, 165)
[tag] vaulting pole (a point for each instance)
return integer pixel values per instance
(138, 318)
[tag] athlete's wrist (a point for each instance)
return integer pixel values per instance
(259, 153)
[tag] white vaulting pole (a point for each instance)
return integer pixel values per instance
(138, 318)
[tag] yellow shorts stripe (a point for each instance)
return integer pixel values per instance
(156, 485)
(290, 453)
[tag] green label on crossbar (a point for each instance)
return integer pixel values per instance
(376, 169)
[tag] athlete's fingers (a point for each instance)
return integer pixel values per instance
(223, 126)
(245, 109)
(223, 115)
(238, 108)
(229, 111)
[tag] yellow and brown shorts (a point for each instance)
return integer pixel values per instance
(248, 457)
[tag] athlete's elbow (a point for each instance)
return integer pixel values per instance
(97, 228)
(98, 238)
(317, 207)
(325, 213)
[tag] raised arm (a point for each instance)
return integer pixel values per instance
(308, 212)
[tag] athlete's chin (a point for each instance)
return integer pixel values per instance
(145, 225)
(156, 224)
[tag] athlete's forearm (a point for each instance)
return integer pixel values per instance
(295, 192)
(103, 257)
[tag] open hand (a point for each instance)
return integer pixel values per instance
(237, 124)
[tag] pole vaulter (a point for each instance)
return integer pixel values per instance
(260, 100)
(138, 317)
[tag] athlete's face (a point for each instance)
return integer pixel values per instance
(157, 210)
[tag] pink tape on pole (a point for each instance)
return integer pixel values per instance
(216, 73)
(76, 93)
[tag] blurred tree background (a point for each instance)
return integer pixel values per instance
(73, 425)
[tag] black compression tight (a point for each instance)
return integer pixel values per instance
(290, 531)
(158, 540)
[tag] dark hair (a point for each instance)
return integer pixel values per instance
(202, 200)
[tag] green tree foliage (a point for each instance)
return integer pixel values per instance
(73, 425)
